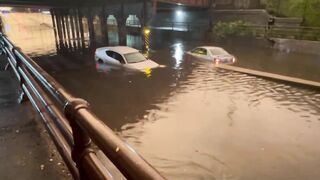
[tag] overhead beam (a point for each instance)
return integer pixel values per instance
(62, 3)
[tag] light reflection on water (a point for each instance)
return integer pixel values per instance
(224, 125)
(192, 121)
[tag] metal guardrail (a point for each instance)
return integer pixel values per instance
(72, 126)
(289, 32)
(167, 25)
(181, 26)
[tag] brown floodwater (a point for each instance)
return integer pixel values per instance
(193, 121)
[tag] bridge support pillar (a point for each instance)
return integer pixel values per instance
(104, 27)
(91, 27)
(77, 28)
(64, 30)
(54, 23)
(71, 16)
(57, 18)
(122, 30)
(154, 7)
(80, 22)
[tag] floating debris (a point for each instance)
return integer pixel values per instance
(51, 160)
(42, 167)
(17, 131)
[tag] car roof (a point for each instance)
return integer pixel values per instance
(210, 47)
(119, 49)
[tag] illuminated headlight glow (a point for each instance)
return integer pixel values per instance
(216, 60)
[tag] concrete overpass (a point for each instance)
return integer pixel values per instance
(63, 3)
(192, 3)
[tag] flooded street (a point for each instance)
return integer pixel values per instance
(193, 121)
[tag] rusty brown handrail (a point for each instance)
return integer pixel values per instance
(72, 126)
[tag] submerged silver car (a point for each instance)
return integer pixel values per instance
(211, 53)
(124, 56)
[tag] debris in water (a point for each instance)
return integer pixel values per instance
(42, 167)
(59, 164)
(17, 131)
(51, 160)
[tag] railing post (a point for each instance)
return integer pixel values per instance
(82, 142)
(22, 96)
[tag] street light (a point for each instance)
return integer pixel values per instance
(146, 31)
(179, 13)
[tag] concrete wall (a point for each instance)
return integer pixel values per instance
(236, 4)
(258, 17)
(295, 22)
(301, 46)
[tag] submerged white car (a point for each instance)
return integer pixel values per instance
(211, 53)
(124, 56)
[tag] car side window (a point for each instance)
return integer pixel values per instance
(115, 56)
(109, 53)
(118, 57)
(200, 51)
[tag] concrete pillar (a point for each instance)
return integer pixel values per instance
(73, 30)
(154, 7)
(91, 27)
(67, 19)
(80, 16)
(59, 28)
(64, 30)
(104, 27)
(77, 28)
(122, 30)
(144, 14)
(54, 23)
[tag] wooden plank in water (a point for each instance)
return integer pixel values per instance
(269, 75)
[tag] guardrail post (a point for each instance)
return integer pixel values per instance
(22, 97)
(82, 142)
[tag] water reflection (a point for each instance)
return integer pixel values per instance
(222, 123)
(178, 54)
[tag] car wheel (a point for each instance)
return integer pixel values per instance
(100, 61)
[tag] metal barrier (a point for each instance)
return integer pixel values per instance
(72, 126)
(181, 26)
(288, 32)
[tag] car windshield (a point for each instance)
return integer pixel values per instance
(218, 51)
(134, 57)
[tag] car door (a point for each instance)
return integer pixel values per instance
(201, 53)
(111, 58)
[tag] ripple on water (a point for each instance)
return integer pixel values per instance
(205, 129)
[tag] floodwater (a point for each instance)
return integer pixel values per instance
(193, 121)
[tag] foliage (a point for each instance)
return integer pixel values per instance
(309, 10)
(235, 28)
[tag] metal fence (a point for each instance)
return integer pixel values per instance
(287, 32)
(72, 126)
(181, 26)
